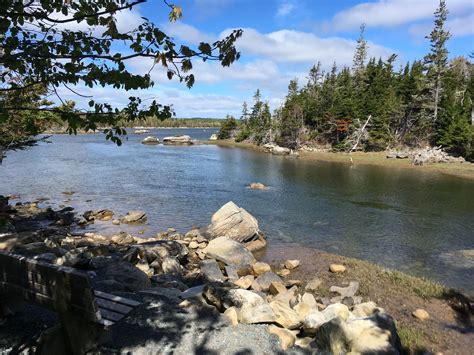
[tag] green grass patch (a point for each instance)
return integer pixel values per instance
(412, 339)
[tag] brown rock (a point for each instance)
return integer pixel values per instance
(283, 272)
(277, 287)
(232, 316)
(292, 264)
(336, 268)
(244, 282)
(285, 316)
(421, 314)
(259, 268)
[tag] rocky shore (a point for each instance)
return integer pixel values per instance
(205, 287)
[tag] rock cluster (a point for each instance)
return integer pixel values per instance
(220, 271)
(178, 140)
(425, 156)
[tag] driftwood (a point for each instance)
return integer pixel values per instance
(361, 133)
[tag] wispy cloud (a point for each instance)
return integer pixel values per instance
(391, 13)
(285, 8)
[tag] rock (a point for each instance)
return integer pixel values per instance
(229, 252)
(49, 258)
(171, 293)
(348, 291)
(242, 299)
(232, 316)
(168, 280)
(376, 334)
(140, 131)
(302, 309)
(288, 297)
(232, 272)
(259, 314)
(287, 338)
(365, 309)
(309, 300)
(144, 267)
(256, 245)
(259, 268)
(122, 239)
(178, 140)
(170, 265)
(283, 272)
(257, 186)
(313, 321)
(152, 140)
(193, 233)
(421, 314)
(193, 293)
(336, 268)
(291, 283)
(292, 264)
(276, 150)
(134, 217)
(233, 222)
(35, 248)
(128, 275)
(244, 282)
(285, 316)
(266, 279)
(193, 245)
(116, 222)
(277, 287)
(313, 285)
(215, 294)
(213, 137)
(211, 271)
(336, 310)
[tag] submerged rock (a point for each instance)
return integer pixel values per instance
(134, 217)
(258, 186)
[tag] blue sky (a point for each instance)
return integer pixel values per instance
(282, 40)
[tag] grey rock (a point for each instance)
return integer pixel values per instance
(211, 271)
(133, 217)
(128, 275)
(348, 291)
(229, 252)
(265, 280)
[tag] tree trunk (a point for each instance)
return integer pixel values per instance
(437, 90)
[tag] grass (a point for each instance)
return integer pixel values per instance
(422, 287)
(412, 339)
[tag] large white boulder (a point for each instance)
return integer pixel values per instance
(235, 223)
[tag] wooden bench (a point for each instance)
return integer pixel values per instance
(83, 312)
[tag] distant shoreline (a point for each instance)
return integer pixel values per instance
(461, 170)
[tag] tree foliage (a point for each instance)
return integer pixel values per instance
(428, 101)
(62, 45)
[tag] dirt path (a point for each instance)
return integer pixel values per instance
(447, 331)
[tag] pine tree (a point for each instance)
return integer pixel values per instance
(436, 61)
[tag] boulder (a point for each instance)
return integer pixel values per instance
(178, 140)
(259, 314)
(134, 217)
(213, 137)
(228, 251)
(242, 299)
(233, 222)
(287, 338)
(313, 321)
(372, 335)
(232, 272)
(152, 140)
(280, 150)
(232, 316)
(126, 274)
(266, 279)
(122, 239)
(260, 267)
(211, 271)
(348, 291)
(169, 265)
(336, 310)
(277, 287)
(285, 316)
(303, 309)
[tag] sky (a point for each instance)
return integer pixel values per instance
(282, 40)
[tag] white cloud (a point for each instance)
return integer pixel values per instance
(285, 8)
(458, 27)
(289, 46)
(389, 13)
(187, 33)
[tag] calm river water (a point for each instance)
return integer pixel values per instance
(418, 222)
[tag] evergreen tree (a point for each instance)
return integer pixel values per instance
(436, 61)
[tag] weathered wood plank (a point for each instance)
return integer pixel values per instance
(116, 307)
(110, 315)
(117, 299)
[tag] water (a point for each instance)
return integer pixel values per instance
(410, 220)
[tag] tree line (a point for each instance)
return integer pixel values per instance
(374, 106)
